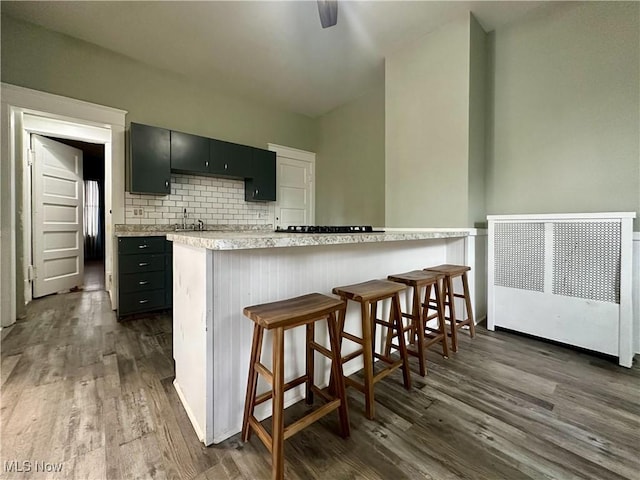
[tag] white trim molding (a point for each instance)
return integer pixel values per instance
(636, 291)
(292, 152)
(562, 216)
(70, 118)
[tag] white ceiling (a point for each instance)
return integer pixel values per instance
(271, 51)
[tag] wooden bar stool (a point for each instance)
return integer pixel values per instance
(450, 272)
(278, 317)
(417, 327)
(368, 294)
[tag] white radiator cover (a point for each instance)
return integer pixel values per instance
(564, 277)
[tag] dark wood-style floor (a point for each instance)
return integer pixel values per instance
(82, 390)
(93, 275)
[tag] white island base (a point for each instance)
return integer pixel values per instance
(212, 338)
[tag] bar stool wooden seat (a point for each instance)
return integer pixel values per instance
(368, 294)
(450, 272)
(418, 327)
(278, 317)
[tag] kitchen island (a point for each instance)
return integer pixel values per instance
(217, 274)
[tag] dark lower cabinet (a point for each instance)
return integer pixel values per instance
(149, 166)
(261, 187)
(168, 275)
(145, 274)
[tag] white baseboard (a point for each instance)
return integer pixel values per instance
(190, 414)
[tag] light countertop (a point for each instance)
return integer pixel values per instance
(163, 230)
(262, 239)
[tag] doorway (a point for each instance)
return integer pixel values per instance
(67, 135)
(26, 111)
(295, 187)
(92, 236)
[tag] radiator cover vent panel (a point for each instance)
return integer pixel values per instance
(586, 260)
(519, 255)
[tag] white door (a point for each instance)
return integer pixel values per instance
(294, 205)
(58, 196)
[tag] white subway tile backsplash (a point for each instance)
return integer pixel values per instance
(213, 200)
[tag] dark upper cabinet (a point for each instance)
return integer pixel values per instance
(155, 152)
(189, 153)
(261, 186)
(229, 159)
(150, 160)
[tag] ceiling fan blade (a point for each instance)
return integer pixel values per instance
(328, 10)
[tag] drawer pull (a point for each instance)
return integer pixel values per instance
(143, 246)
(143, 264)
(143, 282)
(143, 301)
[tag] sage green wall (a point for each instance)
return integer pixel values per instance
(477, 112)
(564, 117)
(427, 130)
(350, 163)
(40, 59)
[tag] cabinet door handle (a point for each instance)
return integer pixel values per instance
(226, 166)
(206, 164)
(256, 193)
(143, 246)
(143, 282)
(166, 183)
(143, 301)
(143, 264)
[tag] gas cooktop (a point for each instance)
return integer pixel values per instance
(328, 229)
